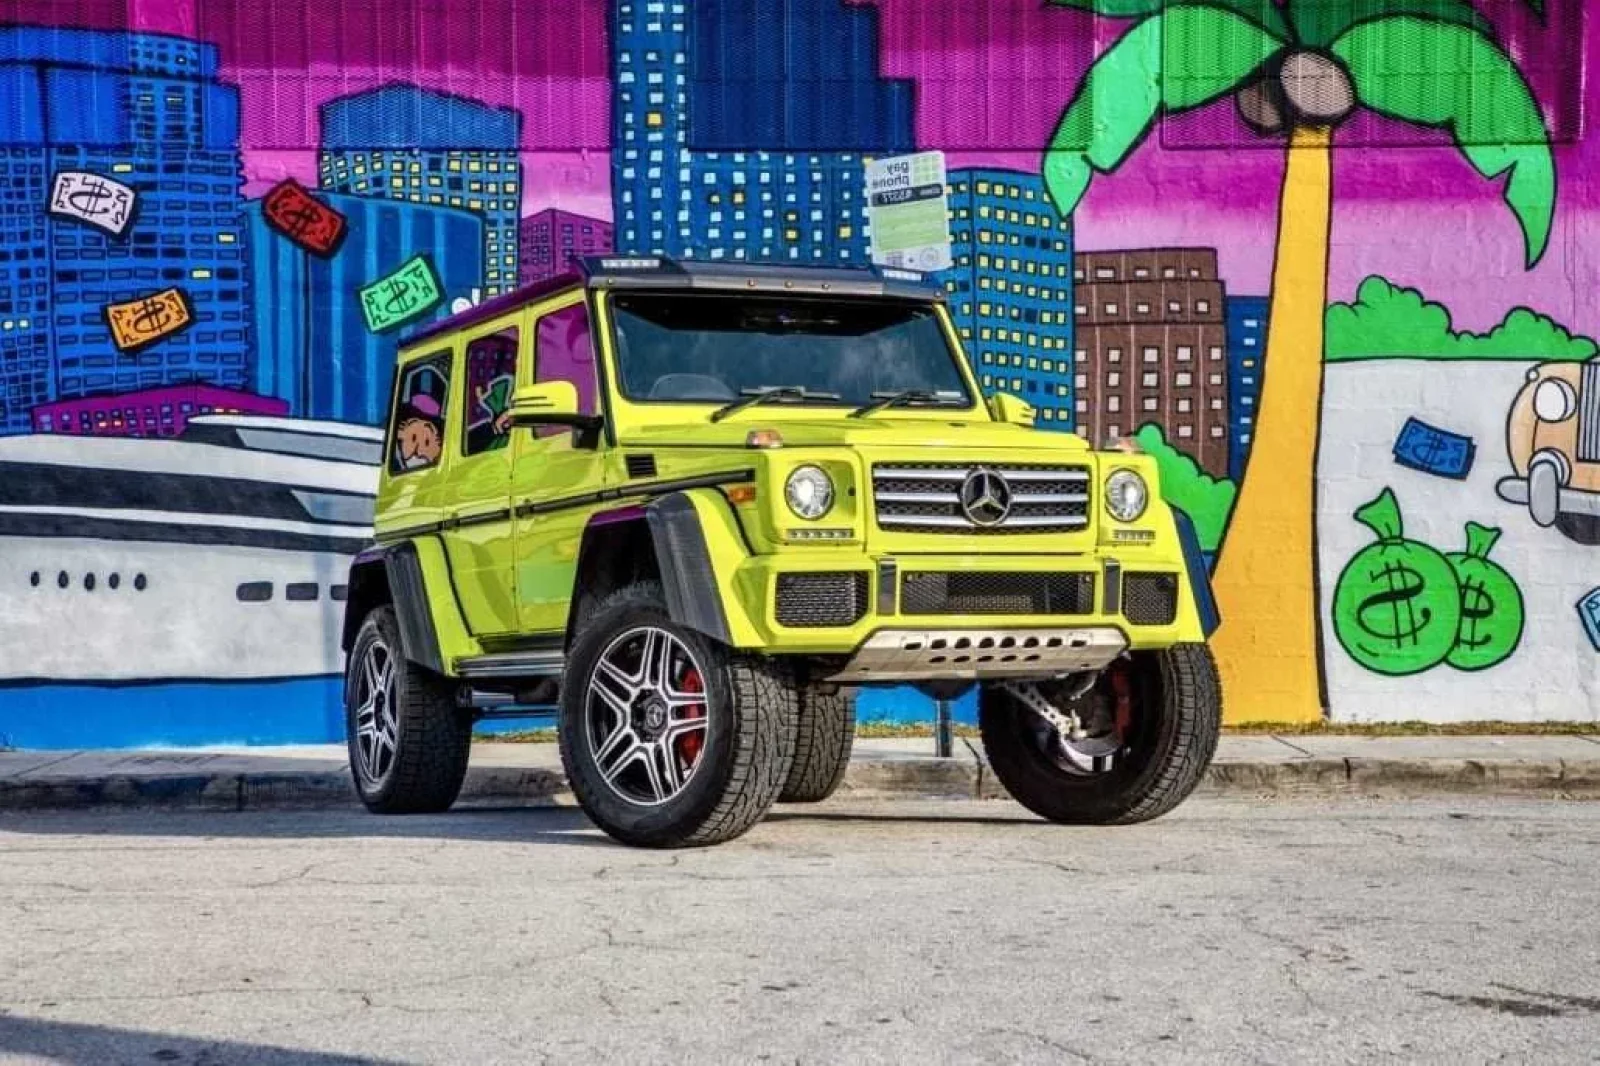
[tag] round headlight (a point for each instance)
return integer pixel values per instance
(1126, 495)
(1554, 400)
(809, 492)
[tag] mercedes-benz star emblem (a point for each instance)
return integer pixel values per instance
(985, 497)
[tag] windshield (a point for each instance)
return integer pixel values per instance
(717, 348)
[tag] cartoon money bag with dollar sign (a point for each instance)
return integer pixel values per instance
(1492, 614)
(1397, 606)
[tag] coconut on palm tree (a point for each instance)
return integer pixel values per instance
(1296, 70)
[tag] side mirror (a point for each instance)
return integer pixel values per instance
(1008, 408)
(549, 403)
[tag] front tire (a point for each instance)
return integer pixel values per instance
(824, 735)
(409, 744)
(668, 738)
(1167, 714)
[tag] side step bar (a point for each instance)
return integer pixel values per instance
(513, 664)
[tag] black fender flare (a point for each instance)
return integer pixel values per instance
(391, 574)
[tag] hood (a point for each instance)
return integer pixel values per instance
(841, 431)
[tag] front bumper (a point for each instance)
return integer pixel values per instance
(1568, 500)
(965, 617)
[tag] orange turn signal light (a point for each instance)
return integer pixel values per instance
(742, 494)
(764, 438)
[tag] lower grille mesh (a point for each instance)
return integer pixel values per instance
(990, 593)
(1150, 599)
(810, 601)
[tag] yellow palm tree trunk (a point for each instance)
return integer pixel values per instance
(1267, 649)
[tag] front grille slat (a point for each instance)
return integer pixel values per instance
(926, 497)
(982, 592)
(1589, 413)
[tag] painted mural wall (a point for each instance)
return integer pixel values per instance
(1330, 260)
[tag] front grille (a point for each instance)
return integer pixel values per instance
(975, 592)
(926, 498)
(1150, 599)
(1589, 413)
(811, 601)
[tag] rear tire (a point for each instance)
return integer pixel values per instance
(650, 763)
(824, 735)
(408, 743)
(1176, 704)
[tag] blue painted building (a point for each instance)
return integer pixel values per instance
(147, 111)
(402, 142)
(1011, 288)
(313, 345)
(716, 153)
(1247, 351)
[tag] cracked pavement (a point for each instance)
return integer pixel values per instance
(944, 931)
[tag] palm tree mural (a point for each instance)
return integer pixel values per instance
(1296, 69)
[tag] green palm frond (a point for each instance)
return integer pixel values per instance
(1178, 60)
(1264, 13)
(1318, 22)
(1454, 78)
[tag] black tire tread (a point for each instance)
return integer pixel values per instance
(1192, 695)
(763, 704)
(825, 730)
(435, 741)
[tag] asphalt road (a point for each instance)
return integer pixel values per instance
(1460, 931)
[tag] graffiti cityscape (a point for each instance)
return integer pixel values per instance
(1320, 259)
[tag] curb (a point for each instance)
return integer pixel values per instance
(964, 776)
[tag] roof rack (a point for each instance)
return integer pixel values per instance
(663, 272)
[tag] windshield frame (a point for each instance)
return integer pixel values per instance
(973, 408)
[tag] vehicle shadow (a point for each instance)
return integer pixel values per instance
(40, 1039)
(490, 824)
(558, 825)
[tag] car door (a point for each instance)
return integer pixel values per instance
(557, 472)
(478, 534)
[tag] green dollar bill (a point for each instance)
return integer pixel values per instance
(411, 291)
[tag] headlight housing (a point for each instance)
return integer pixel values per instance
(1554, 400)
(808, 492)
(1127, 496)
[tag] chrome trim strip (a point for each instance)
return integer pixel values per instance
(1012, 523)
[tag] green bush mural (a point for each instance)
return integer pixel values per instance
(1402, 607)
(1205, 499)
(1387, 321)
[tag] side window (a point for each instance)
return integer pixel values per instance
(564, 351)
(491, 379)
(420, 403)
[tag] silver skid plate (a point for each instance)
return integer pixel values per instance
(977, 654)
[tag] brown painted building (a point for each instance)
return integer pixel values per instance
(1151, 346)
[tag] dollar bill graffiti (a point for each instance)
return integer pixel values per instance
(1492, 612)
(1433, 450)
(291, 210)
(1402, 607)
(397, 298)
(140, 323)
(92, 198)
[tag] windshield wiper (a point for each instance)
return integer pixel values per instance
(768, 394)
(905, 398)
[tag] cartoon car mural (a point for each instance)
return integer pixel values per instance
(1553, 437)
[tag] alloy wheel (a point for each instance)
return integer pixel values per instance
(645, 717)
(377, 717)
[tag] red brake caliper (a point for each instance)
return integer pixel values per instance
(689, 744)
(1122, 690)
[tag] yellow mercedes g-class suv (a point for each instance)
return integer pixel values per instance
(698, 505)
